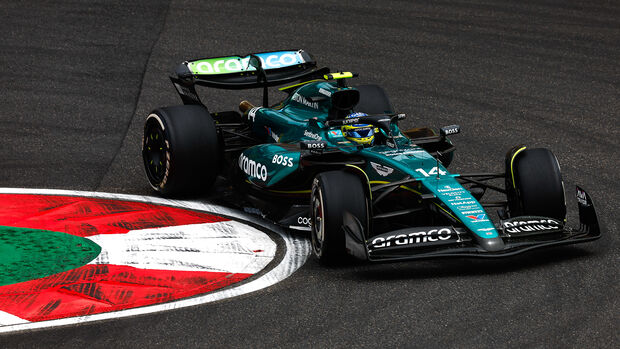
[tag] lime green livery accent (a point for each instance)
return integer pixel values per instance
(336, 76)
(512, 172)
(285, 88)
(367, 179)
(224, 65)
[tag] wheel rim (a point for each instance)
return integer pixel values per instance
(154, 152)
(318, 222)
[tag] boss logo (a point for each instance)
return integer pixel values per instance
(313, 145)
(282, 160)
(450, 130)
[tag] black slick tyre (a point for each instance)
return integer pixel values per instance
(180, 149)
(333, 194)
(536, 183)
(373, 100)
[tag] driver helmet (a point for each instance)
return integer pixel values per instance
(363, 134)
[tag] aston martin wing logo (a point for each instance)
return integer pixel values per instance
(381, 170)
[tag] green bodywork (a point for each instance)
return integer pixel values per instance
(302, 117)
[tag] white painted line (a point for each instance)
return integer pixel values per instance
(7, 319)
(296, 254)
(216, 247)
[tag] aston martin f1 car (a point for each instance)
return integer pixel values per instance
(330, 159)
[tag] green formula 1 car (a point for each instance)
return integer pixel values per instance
(330, 159)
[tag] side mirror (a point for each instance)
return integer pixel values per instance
(449, 130)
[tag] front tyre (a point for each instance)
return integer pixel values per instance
(180, 150)
(333, 194)
(535, 185)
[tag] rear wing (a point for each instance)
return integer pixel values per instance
(255, 70)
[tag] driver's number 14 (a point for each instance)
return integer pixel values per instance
(433, 171)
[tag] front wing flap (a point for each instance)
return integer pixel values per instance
(447, 241)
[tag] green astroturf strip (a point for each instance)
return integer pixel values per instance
(27, 254)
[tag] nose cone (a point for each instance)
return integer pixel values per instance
(492, 244)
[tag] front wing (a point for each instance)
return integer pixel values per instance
(435, 242)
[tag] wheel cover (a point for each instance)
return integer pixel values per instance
(154, 152)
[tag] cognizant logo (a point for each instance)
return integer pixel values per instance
(253, 168)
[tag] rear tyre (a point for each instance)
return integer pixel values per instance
(537, 189)
(373, 100)
(180, 150)
(333, 194)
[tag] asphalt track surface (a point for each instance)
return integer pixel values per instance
(78, 78)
